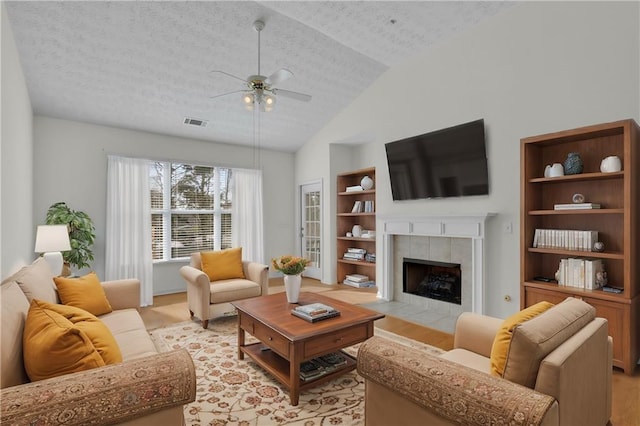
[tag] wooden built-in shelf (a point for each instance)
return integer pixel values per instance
(345, 220)
(617, 224)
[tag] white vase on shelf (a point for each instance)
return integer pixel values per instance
(292, 285)
(366, 183)
(356, 231)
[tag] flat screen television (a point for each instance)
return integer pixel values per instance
(450, 162)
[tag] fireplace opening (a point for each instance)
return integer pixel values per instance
(435, 280)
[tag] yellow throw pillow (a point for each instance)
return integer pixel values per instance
(502, 341)
(52, 346)
(85, 293)
(222, 265)
(96, 330)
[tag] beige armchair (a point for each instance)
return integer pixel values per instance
(558, 372)
(208, 299)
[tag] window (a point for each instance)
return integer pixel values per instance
(190, 209)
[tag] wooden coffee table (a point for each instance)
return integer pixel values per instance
(286, 341)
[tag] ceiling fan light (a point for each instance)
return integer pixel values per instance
(268, 102)
(248, 98)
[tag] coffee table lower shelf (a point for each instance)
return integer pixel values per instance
(279, 367)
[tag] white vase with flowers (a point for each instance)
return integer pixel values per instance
(291, 267)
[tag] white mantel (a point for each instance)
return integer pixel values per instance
(470, 226)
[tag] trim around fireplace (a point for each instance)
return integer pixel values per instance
(456, 226)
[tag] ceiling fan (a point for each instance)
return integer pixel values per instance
(261, 90)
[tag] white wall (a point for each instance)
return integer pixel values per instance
(538, 67)
(71, 166)
(16, 160)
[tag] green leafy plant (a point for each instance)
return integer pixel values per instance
(82, 233)
(290, 265)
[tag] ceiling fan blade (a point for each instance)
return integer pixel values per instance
(293, 95)
(225, 94)
(230, 75)
(279, 76)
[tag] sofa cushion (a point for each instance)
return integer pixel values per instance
(502, 341)
(95, 329)
(533, 340)
(129, 331)
(222, 264)
(36, 281)
(54, 347)
(15, 307)
(84, 292)
(230, 290)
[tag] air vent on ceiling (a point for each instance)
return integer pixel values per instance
(195, 122)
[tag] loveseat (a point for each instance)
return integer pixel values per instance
(146, 388)
(557, 371)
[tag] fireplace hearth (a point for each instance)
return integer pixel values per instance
(434, 280)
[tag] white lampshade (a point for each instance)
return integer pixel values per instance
(51, 240)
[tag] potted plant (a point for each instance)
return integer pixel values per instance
(82, 233)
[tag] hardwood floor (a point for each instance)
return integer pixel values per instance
(172, 308)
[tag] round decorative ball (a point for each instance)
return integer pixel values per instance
(598, 246)
(577, 198)
(573, 164)
(366, 183)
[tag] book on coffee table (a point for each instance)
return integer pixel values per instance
(315, 312)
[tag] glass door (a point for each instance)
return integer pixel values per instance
(311, 227)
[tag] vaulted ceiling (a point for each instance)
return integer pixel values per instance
(147, 65)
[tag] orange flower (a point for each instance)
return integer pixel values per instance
(290, 265)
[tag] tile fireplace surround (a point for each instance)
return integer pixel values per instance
(450, 238)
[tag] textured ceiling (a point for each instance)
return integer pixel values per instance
(147, 65)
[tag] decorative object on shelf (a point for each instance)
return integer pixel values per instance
(366, 183)
(611, 164)
(291, 267)
(556, 170)
(577, 198)
(547, 171)
(601, 279)
(349, 235)
(573, 165)
(82, 234)
(356, 231)
(598, 246)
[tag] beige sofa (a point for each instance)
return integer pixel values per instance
(147, 388)
(558, 372)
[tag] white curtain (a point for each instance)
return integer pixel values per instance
(128, 233)
(246, 217)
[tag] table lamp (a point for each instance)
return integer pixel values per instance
(50, 241)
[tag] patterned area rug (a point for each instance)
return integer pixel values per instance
(234, 392)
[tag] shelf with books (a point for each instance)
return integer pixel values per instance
(355, 209)
(594, 254)
(546, 204)
(575, 212)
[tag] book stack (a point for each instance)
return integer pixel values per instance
(354, 254)
(368, 207)
(315, 312)
(357, 207)
(588, 274)
(565, 239)
(576, 206)
(370, 257)
(354, 188)
(358, 281)
(321, 365)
